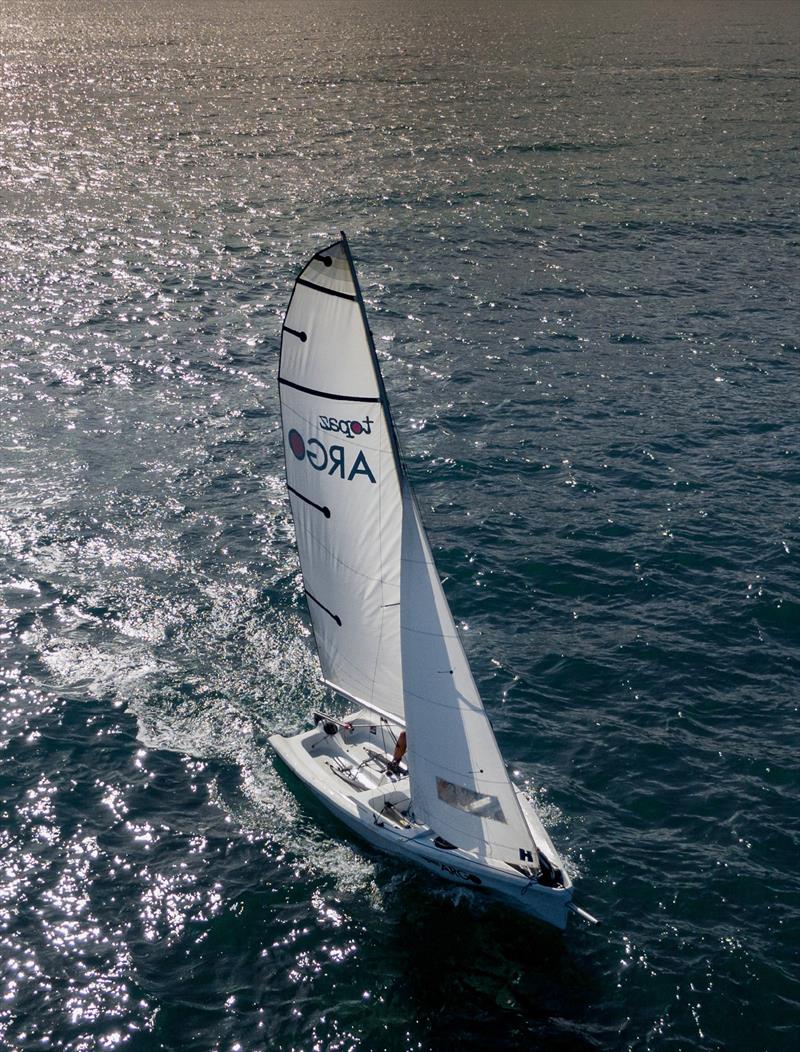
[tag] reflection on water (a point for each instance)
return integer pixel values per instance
(574, 226)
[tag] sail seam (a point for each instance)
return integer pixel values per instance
(326, 394)
(313, 421)
(381, 564)
(480, 779)
(341, 562)
(462, 704)
(330, 292)
(439, 634)
(362, 674)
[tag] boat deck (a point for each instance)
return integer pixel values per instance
(360, 758)
(346, 764)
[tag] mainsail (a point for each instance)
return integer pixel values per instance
(343, 476)
(384, 631)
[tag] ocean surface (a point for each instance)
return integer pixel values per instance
(576, 226)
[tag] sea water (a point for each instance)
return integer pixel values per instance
(576, 229)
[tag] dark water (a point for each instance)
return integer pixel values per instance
(577, 232)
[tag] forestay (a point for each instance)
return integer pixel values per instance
(383, 628)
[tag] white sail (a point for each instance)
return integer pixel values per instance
(343, 476)
(460, 786)
(383, 628)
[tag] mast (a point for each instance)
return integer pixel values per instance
(399, 465)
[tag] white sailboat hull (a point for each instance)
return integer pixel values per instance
(383, 628)
(347, 772)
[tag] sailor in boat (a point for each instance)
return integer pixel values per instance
(399, 752)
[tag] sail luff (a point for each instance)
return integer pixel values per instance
(399, 465)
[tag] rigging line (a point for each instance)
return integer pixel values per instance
(409, 558)
(326, 394)
(380, 557)
(326, 511)
(329, 292)
(377, 648)
(389, 729)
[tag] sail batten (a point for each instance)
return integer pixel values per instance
(329, 394)
(385, 635)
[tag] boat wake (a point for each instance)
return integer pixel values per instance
(214, 720)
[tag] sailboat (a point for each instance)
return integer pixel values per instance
(414, 768)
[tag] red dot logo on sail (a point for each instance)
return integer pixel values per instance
(296, 444)
(342, 462)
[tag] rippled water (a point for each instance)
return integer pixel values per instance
(577, 231)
